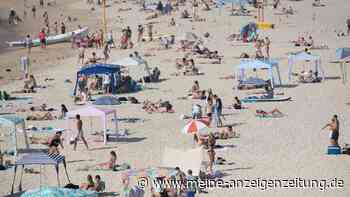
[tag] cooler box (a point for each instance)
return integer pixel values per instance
(265, 25)
(334, 150)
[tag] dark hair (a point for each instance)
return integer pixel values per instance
(335, 116)
(98, 177)
(64, 108)
(59, 132)
(189, 172)
(89, 179)
(113, 153)
(77, 116)
(177, 168)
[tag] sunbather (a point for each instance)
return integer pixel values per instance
(237, 103)
(111, 163)
(55, 141)
(100, 185)
(274, 113)
(89, 185)
(226, 133)
(38, 117)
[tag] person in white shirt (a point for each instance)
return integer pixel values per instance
(29, 43)
(25, 66)
(106, 83)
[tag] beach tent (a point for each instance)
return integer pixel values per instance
(11, 122)
(103, 114)
(303, 56)
(343, 56)
(112, 70)
(186, 160)
(135, 65)
(39, 158)
(267, 64)
(56, 191)
(107, 100)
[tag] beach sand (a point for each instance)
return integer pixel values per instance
(285, 148)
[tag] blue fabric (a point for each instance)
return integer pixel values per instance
(107, 100)
(342, 53)
(58, 192)
(14, 119)
(108, 69)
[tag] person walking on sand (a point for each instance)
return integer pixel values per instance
(34, 11)
(333, 127)
(217, 111)
(80, 133)
(81, 55)
(348, 24)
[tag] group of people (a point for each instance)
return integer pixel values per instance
(259, 45)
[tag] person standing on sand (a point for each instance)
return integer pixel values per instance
(334, 130)
(42, 37)
(80, 133)
(29, 43)
(41, 2)
(150, 31)
(348, 24)
(217, 111)
(81, 54)
(63, 28)
(267, 46)
(140, 31)
(34, 11)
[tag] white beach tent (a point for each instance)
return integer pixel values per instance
(303, 56)
(267, 64)
(91, 111)
(135, 65)
(11, 122)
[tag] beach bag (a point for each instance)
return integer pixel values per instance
(122, 99)
(133, 100)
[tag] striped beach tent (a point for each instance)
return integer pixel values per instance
(39, 158)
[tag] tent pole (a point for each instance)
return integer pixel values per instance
(14, 178)
(65, 169)
(116, 123)
(104, 130)
(20, 182)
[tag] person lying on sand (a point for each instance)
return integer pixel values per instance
(152, 16)
(55, 141)
(307, 77)
(160, 106)
(226, 133)
(185, 14)
(42, 107)
(39, 117)
(274, 113)
(181, 63)
(93, 59)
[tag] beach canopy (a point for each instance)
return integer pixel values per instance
(90, 111)
(107, 100)
(304, 56)
(58, 192)
(342, 53)
(136, 65)
(40, 158)
(112, 70)
(194, 126)
(11, 122)
(268, 64)
(186, 160)
(343, 56)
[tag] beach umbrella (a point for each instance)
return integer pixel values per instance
(106, 100)
(58, 192)
(194, 126)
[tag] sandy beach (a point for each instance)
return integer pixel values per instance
(268, 148)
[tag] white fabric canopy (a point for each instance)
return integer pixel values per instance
(12, 122)
(186, 160)
(303, 56)
(270, 65)
(91, 111)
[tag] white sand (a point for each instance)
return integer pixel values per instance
(290, 147)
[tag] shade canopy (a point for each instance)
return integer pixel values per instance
(91, 111)
(268, 64)
(40, 158)
(342, 53)
(304, 56)
(112, 70)
(11, 122)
